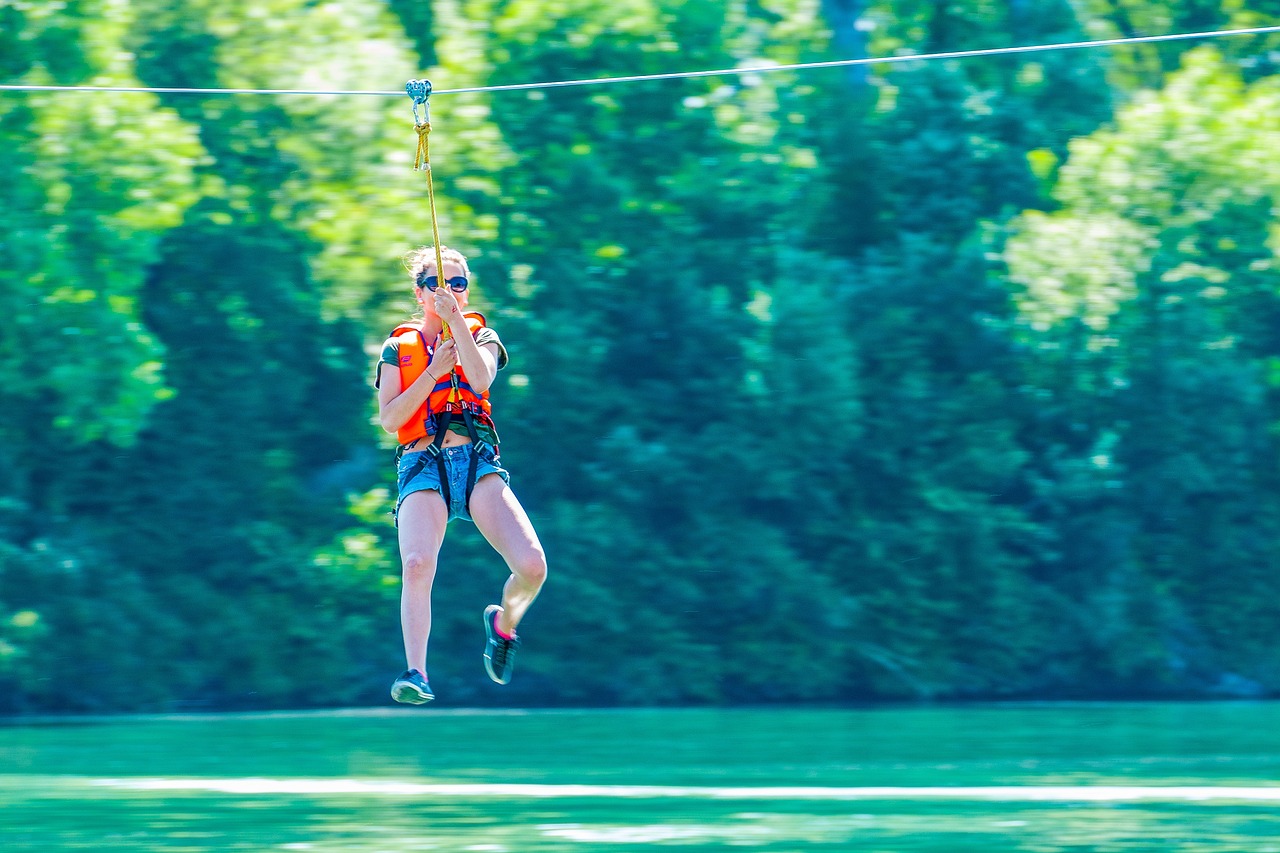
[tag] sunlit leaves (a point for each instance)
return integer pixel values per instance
(97, 179)
(1084, 269)
(1151, 191)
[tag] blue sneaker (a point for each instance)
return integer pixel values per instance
(499, 652)
(412, 689)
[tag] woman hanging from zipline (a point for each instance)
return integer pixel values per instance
(435, 398)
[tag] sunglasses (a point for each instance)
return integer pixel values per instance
(457, 284)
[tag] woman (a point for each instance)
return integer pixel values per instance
(435, 398)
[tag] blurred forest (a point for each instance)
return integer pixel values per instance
(934, 380)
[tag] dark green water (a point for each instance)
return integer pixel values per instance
(1043, 778)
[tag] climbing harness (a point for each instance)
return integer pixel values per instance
(456, 399)
(450, 398)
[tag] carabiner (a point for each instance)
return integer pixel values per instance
(419, 91)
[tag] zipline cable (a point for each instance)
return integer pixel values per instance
(674, 75)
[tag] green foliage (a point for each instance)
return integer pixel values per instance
(1150, 300)
(182, 330)
(88, 192)
(87, 189)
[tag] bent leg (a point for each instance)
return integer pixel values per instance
(499, 516)
(422, 520)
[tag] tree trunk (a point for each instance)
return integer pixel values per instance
(850, 42)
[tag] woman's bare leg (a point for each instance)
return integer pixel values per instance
(422, 520)
(499, 516)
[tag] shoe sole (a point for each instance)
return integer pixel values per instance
(409, 695)
(489, 637)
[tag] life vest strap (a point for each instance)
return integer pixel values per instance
(475, 455)
(435, 450)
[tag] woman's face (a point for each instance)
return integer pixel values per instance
(453, 277)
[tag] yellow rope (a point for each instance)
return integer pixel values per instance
(422, 163)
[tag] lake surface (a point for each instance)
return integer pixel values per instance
(1195, 777)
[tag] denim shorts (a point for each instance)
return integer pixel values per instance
(425, 473)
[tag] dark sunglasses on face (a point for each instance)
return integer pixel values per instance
(457, 284)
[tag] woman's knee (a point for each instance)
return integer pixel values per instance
(418, 567)
(531, 567)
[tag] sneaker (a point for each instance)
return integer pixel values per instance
(412, 688)
(499, 652)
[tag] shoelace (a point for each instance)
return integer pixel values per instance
(502, 648)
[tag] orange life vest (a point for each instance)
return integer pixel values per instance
(415, 355)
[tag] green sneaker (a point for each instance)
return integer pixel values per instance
(412, 689)
(499, 652)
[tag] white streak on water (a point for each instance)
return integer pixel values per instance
(1004, 793)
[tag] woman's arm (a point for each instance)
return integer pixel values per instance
(480, 363)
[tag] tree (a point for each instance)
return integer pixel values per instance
(1149, 299)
